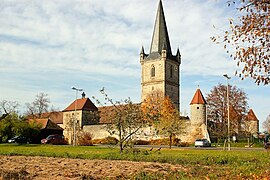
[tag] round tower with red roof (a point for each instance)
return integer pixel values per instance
(198, 108)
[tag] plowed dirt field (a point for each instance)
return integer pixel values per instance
(28, 167)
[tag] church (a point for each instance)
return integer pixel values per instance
(160, 70)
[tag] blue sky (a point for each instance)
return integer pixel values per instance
(50, 46)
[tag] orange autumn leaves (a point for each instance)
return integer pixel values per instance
(156, 107)
(159, 111)
(247, 39)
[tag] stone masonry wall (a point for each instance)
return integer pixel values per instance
(198, 113)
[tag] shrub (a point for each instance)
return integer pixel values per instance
(141, 142)
(164, 141)
(96, 141)
(108, 140)
(85, 139)
(183, 144)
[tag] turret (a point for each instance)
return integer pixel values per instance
(142, 55)
(198, 108)
(178, 56)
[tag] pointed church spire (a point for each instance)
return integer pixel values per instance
(160, 37)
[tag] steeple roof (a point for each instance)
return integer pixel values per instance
(251, 116)
(142, 50)
(198, 98)
(160, 38)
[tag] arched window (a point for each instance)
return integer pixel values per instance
(153, 71)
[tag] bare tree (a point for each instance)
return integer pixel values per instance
(125, 119)
(247, 127)
(217, 109)
(39, 105)
(248, 39)
(7, 107)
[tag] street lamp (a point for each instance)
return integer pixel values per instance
(75, 116)
(228, 109)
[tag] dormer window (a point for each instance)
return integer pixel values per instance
(153, 73)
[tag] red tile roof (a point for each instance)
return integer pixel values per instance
(82, 104)
(251, 116)
(56, 117)
(46, 123)
(42, 122)
(108, 112)
(198, 98)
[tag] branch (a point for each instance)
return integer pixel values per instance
(132, 133)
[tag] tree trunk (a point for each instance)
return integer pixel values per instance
(120, 140)
(121, 146)
(224, 145)
(170, 141)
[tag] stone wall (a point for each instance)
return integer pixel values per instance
(98, 131)
(150, 83)
(68, 124)
(192, 132)
(198, 113)
(252, 127)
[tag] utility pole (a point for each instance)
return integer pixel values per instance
(228, 109)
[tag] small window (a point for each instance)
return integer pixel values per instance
(198, 107)
(171, 71)
(153, 73)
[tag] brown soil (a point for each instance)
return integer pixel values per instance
(26, 167)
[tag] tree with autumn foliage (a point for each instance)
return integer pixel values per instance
(248, 39)
(217, 110)
(161, 113)
(151, 107)
(124, 118)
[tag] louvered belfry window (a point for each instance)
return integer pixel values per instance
(153, 73)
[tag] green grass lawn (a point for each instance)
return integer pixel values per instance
(214, 164)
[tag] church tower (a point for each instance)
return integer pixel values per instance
(160, 69)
